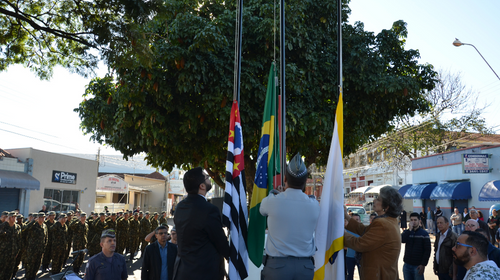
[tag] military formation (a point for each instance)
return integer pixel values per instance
(47, 239)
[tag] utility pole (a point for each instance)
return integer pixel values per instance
(98, 158)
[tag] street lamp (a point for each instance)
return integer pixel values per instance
(457, 43)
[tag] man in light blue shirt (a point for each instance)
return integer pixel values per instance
(292, 218)
(159, 257)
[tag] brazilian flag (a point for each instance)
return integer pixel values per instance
(268, 166)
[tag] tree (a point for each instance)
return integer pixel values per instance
(172, 101)
(72, 33)
(454, 118)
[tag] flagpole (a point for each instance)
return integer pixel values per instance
(339, 42)
(237, 53)
(283, 91)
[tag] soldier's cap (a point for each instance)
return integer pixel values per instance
(120, 213)
(296, 171)
(12, 214)
(438, 207)
(155, 213)
(41, 214)
(173, 229)
(108, 233)
(102, 214)
(136, 214)
(20, 216)
(52, 213)
(30, 214)
(34, 215)
(140, 212)
(113, 214)
(70, 212)
(91, 212)
(5, 213)
(163, 212)
(83, 214)
(147, 213)
(62, 216)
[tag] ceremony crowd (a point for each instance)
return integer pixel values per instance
(464, 246)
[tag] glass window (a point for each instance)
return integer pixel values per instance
(60, 200)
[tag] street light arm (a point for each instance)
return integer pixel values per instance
(483, 59)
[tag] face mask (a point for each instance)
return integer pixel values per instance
(209, 187)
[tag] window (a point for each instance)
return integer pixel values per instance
(346, 163)
(362, 160)
(60, 200)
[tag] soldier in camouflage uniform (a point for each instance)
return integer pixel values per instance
(145, 230)
(134, 233)
(94, 245)
(22, 246)
(37, 237)
(48, 254)
(59, 233)
(80, 230)
(154, 221)
(9, 245)
(112, 221)
(4, 217)
(163, 218)
(122, 231)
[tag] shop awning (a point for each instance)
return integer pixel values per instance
(490, 191)
(454, 191)
(403, 189)
(375, 189)
(18, 180)
(422, 191)
(361, 190)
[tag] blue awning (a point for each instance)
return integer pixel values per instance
(459, 190)
(422, 191)
(18, 180)
(490, 191)
(403, 189)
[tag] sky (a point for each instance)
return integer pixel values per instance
(39, 114)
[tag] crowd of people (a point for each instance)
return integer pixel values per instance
(45, 239)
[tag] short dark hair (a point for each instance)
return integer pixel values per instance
(392, 201)
(483, 232)
(445, 219)
(192, 180)
(160, 228)
(356, 215)
(478, 241)
(415, 214)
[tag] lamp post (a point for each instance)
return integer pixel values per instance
(457, 43)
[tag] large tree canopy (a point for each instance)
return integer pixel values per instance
(72, 33)
(172, 99)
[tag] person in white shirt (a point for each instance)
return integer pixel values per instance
(471, 251)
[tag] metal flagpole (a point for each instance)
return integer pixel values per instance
(237, 52)
(339, 42)
(283, 90)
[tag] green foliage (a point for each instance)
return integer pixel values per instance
(170, 96)
(72, 33)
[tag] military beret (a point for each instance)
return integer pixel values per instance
(52, 213)
(83, 214)
(5, 213)
(20, 216)
(102, 214)
(147, 213)
(62, 216)
(192, 179)
(13, 214)
(113, 214)
(41, 214)
(296, 171)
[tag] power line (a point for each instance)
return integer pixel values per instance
(37, 139)
(29, 129)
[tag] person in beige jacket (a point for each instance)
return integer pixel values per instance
(380, 242)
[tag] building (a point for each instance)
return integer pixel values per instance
(58, 181)
(460, 178)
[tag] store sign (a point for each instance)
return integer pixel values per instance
(63, 177)
(176, 187)
(111, 184)
(475, 163)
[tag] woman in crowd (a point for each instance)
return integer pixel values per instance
(481, 216)
(380, 242)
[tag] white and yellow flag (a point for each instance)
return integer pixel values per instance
(329, 258)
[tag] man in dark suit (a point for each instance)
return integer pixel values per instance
(159, 257)
(201, 240)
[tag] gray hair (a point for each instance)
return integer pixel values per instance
(391, 201)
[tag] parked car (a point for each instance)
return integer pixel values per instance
(52, 205)
(365, 218)
(68, 206)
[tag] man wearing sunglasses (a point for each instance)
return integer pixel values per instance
(471, 251)
(107, 265)
(159, 257)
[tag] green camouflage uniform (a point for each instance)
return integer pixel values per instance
(79, 242)
(111, 224)
(163, 220)
(22, 250)
(59, 246)
(9, 248)
(154, 223)
(94, 244)
(48, 253)
(37, 238)
(145, 230)
(70, 236)
(134, 233)
(122, 232)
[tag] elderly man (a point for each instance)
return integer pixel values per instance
(470, 251)
(475, 216)
(445, 241)
(290, 256)
(107, 265)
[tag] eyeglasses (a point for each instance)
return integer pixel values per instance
(162, 233)
(464, 245)
(467, 225)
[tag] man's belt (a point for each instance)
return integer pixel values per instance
(266, 257)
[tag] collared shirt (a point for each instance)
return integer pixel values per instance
(442, 236)
(163, 255)
(350, 252)
(483, 270)
(203, 197)
(99, 268)
(429, 215)
(292, 219)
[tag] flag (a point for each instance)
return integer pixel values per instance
(267, 167)
(234, 210)
(329, 258)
